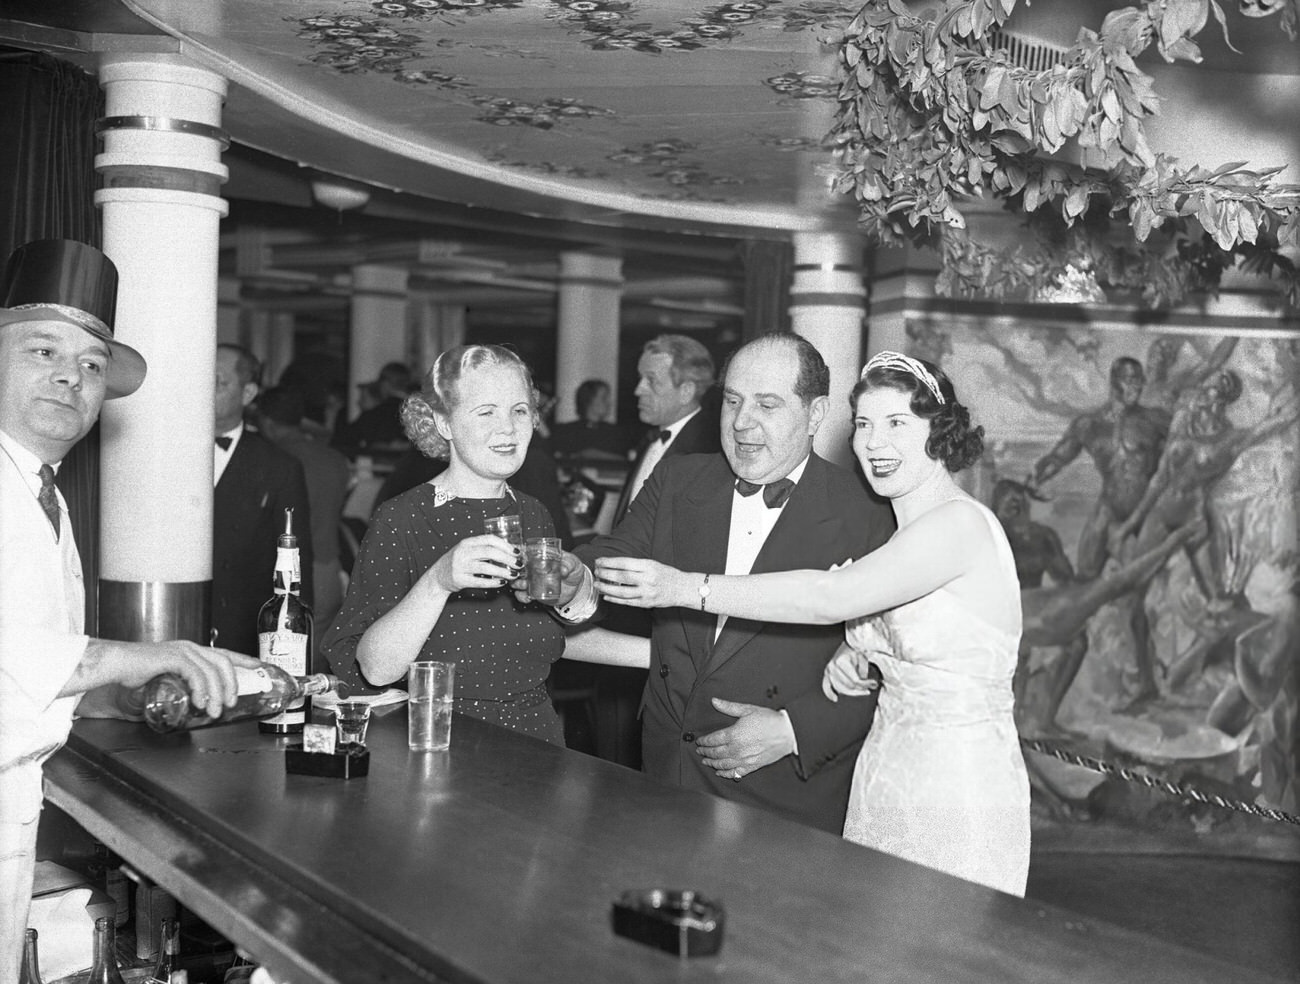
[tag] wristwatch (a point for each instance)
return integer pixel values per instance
(704, 592)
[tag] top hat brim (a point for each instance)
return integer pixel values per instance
(126, 366)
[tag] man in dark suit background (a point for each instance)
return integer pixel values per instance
(675, 398)
(676, 375)
(737, 689)
(255, 482)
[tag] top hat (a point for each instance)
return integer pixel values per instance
(64, 280)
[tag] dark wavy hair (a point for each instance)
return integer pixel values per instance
(441, 392)
(952, 439)
(586, 392)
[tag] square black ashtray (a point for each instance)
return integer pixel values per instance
(678, 921)
(345, 762)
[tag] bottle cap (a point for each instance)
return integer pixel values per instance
(287, 538)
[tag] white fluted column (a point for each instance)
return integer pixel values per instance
(827, 305)
(436, 328)
(162, 175)
(591, 291)
(378, 325)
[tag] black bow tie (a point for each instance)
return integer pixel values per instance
(664, 435)
(774, 495)
(224, 442)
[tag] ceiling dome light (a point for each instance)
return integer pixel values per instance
(339, 194)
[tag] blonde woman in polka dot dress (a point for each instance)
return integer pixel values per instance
(428, 583)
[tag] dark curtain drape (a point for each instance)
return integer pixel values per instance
(48, 181)
(769, 267)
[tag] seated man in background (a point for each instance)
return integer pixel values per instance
(279, 416)
(254, 483)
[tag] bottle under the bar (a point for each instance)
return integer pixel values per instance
(104, 969)
(169, 935)
(30, 972)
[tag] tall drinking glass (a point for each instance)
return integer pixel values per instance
(431, 689)
(545, 556)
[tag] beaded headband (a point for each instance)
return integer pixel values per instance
(904, 363)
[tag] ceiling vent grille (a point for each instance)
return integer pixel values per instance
(1029, 53)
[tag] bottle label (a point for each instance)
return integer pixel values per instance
(287, 650)
(252, 680)
(287, 570)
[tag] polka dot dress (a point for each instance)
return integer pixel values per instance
(503, 650)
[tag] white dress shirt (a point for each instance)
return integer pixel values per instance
(42, 624)
(752, 521)
(655, 452)
(221, 456)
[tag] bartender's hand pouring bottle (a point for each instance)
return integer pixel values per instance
(263, 690)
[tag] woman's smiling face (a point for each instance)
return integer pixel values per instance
(492, 421)
(889, 441)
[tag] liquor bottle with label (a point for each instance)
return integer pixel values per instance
(262, 689)
(284, 628)
(169, 952)
(30, 972)
(104, 969)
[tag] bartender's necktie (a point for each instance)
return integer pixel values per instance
(49, 498)
(774, 495)
(224, 441)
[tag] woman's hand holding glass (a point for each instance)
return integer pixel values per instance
(484, 561)
(848, 673)
(644, 583)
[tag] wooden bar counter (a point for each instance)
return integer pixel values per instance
(498, 861)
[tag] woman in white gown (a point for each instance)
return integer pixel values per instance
(940, 779)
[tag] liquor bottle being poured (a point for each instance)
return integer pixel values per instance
(284, 631)
(263, 690)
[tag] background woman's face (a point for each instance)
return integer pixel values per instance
(599, 407)
(492, 422)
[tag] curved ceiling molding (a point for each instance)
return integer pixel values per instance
(606, 111)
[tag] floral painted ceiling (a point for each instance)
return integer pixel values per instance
(681, 110)
(650, 114)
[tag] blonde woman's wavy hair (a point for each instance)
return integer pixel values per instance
(440, 393)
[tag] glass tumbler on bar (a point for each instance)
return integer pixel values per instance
(431, 689)
(352, 718)
(544, 555)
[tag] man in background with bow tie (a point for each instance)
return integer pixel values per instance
(674, 399)
(676, 374)
(736, 696)
(254, 482)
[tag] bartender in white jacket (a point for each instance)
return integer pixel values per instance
(58, 363)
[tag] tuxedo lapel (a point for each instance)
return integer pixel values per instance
(625, 496)
(701, 545)
(803, 536)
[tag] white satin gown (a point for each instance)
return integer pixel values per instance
(940, 779)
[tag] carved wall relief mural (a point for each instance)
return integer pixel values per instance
(1149, 489)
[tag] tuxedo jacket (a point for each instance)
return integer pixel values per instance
(699, 435)
(259, 482)
(682, 518)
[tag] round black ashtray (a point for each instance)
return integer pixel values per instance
(680, 921)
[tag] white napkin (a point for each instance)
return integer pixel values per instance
(392, 695)
(65, 938)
